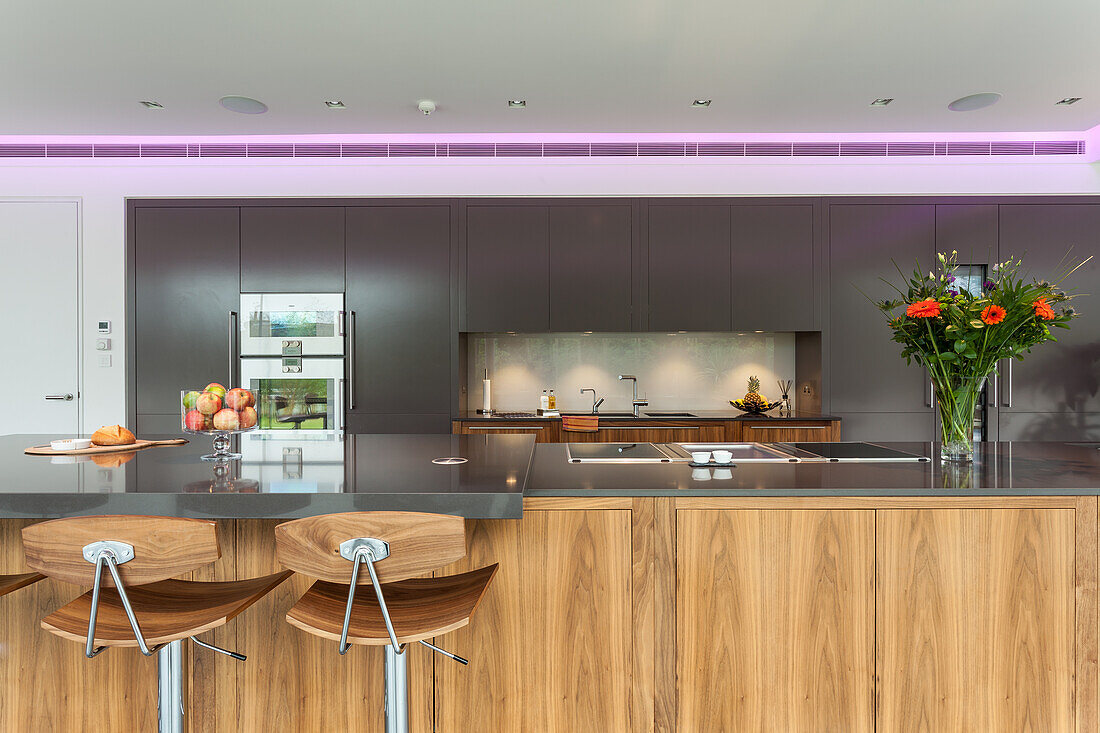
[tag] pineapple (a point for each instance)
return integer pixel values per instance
(752, 400)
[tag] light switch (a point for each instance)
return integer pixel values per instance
(105, 360)
(103, 344)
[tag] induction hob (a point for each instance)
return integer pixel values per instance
(850, 452)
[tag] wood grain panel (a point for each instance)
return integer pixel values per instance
(631, 430)
(1088, 615)
(549, 646)
(975, 620)
(775, 620)
(653, 693)
(46, 684)
(547, 432)
(764, 431)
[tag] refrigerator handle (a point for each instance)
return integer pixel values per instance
(351, 360)
(234, 359)
(1006, 388)
(341, 397)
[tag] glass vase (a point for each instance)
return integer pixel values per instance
(956, 400)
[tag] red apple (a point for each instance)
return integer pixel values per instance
(226, 420)
(216, 388)
(208, 403)
(251, 397)
(237, 399)
(247, 417)
(194, 420)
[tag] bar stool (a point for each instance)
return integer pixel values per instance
(395, 546)
(139, 603)
(8, 583)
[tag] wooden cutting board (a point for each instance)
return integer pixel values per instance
(46, 450)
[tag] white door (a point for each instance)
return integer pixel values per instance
(39, 289)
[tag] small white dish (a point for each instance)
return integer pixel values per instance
(71, 444)
(702, 456)
(65, 460)
(700, 474)
(723, 456)
(723, 474)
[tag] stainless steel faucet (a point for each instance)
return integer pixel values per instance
(634, 401)
(595, 404)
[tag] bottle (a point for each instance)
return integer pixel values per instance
(544, 401)
(553, 401)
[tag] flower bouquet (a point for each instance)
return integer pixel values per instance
(959, 335)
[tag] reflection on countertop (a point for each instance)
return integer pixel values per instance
(279, 475)
(662, 414)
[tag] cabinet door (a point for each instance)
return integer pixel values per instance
(775, 620)
(689, 274)
(889, 426)
(188, 279)
(1060, 376)
(773, 267)
(786, 432)
(507, 268)
(866, 372)
(550, 643)
(976, 619)
(626, 431)
(590, 266)
(292, 249)
(399, 274)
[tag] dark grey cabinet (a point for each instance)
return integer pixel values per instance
(398, 286)
(866, 372)
(292, 249)
(1058, 383)
(773, 286)
(689, 267)
(507, 268)
(187, 272)
(590, 267)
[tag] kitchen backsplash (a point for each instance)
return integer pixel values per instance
(688, 371)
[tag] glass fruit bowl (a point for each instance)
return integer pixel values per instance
(219, 413)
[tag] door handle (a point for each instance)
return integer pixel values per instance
(232, 347)
(1006, 389)
(67, 397)
(351, 359)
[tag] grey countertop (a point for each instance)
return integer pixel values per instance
(1000, 469)
(278, 477)
(655, 414)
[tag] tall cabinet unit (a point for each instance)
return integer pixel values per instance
(186, 262)
(399, 302)
(292, 249)
(877, 394)
(1054, 393)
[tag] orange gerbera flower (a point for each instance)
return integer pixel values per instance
(923, 309)
(1043, 310)
(993, 314)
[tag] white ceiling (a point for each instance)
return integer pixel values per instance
(622, 66)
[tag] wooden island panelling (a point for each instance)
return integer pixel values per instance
(653, 614)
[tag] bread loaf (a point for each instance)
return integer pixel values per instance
(112, 435)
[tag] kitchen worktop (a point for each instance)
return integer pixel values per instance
(349, 473)
(696, 416)
(1000, 469)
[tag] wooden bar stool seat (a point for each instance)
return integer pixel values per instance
(419, 608)
(166, 611)
(397, 608)
(131, 563)
(8, 583)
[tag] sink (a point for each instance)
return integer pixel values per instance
(670, 414)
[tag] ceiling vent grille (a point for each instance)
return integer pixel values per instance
(671, 149)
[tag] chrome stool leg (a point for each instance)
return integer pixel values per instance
(170, 688)
(397, 694)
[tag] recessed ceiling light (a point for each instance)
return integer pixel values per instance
(1068, 100)
(150, 104)
(243, 105)
(701, 103)
(517, 103)
(335, 104)
(972, 102)
(882, 101)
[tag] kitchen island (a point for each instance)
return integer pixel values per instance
(801, 597)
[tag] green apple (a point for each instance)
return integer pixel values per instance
(191, 399)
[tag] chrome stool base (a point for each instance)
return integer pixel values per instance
(397, 693)
(170, 688)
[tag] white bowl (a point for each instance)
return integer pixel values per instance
(71, 444)
(723, 456)
(700, 474)
(702, 456)
(722, 474)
